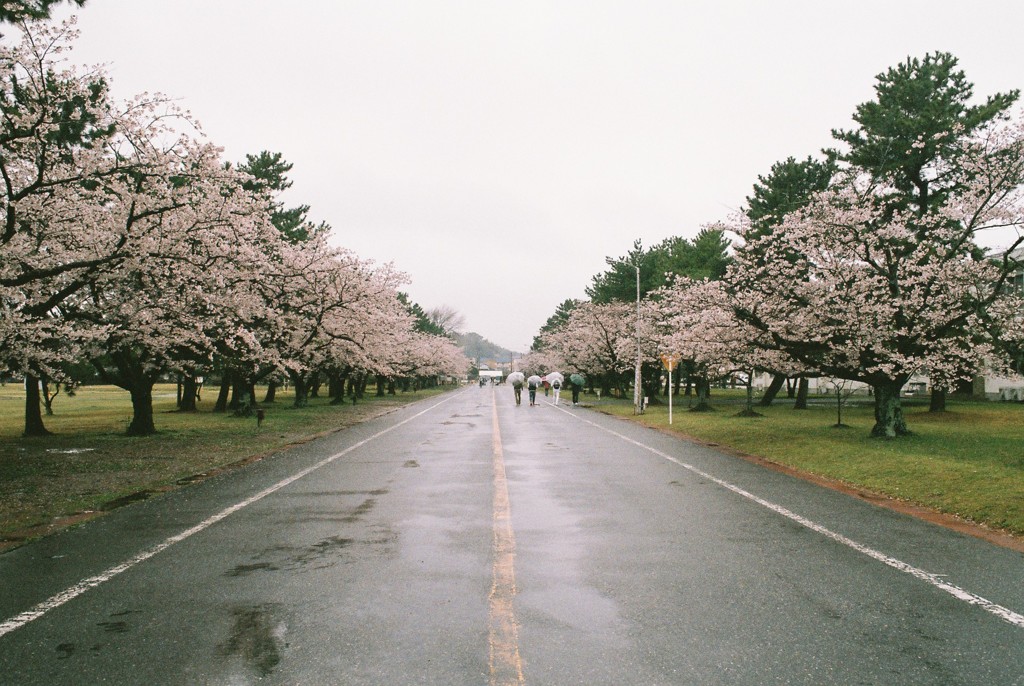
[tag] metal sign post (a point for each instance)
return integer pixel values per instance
(670, 360)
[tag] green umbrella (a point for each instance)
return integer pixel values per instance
(577, 379)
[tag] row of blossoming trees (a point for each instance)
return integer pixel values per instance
(862, 266)
(127, 242)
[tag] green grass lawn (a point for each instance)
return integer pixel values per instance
(968, 461)
(88, 463)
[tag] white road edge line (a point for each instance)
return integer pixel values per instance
(81, 587)
(1004, 613)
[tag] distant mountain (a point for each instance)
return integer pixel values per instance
(478, 348)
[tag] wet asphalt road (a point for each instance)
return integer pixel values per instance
(621, 556)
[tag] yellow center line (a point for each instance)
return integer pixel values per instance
(506, 665)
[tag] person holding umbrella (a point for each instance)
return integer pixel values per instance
(555, 379)
(531, 386)
(517, 379)
(577, 380)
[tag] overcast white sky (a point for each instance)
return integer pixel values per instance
(498, 152)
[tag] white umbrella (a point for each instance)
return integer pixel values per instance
(555, 376)
(516, 378)
(535, 380)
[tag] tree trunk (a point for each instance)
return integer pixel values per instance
(801, 394)
(338, 382)
(703, 386)
(335, 387)
(48, 397)
(650, 383)
(271, 395)
(938, 400)
(189, 390)
(889, 421)
(131, 373)
(314, 385)
(237, 393)
(778, 381)
(749, 411)
(222, 398)
(381, 381)
(301, 390)
(142, 408)
(33, 413)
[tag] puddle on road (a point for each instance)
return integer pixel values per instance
(326, 547)
(256, 637)
(243, 570)
(291, 558)
(411, 463)
(362, 509)
(114, 627)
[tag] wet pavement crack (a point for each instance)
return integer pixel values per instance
(256, 637)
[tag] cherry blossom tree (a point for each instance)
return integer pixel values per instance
(789, 186)
(126, 240)
(862, 290)
(61, 165)
(336, 312)
(909, 139)
(694, 321)
(355, 323)
(420, 358)
(542, 361)
(184, 289)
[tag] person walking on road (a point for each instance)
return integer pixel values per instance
(517, 379)
(555, 380)
(531, 386)
(576, 381)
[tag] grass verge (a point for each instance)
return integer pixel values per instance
(89, 466)
(967, 462)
